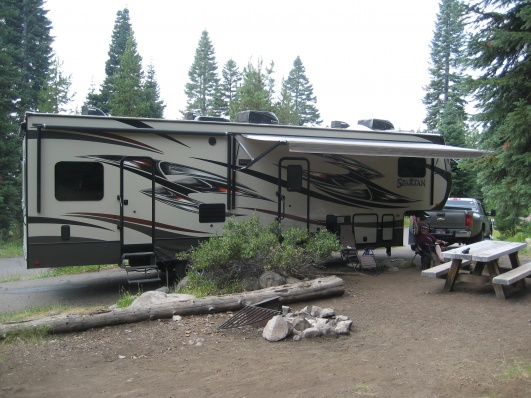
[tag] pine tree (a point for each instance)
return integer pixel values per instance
(203, 84)
(285, 108)
(445, 96)
(30, 31)
(447, 63)
(499, 50)
(9, 142)
(25, 54)
(55, 93)
(256, 91)
(121, 32)
(128, 98)
(153, 105)
(228, 88)
(301, 91)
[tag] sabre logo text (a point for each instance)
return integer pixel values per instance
(410, 182)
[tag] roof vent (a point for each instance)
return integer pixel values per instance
(257, 117)
(377, 124)
(90, 110)
(336, 124)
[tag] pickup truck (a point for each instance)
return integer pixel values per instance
(462, 220)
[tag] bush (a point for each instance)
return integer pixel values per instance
(247, 249)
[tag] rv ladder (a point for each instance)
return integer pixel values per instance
(143, 263)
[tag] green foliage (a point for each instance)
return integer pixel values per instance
(55, 93)
(499, 50)
(203, 84)
(301, 92)
(446, 70)
(247, 249)
(228, 88)
(256, 90)
(153, 105)
(11, 249)
(121, 32)
(126, 298)
(128, 98)
(25, 54)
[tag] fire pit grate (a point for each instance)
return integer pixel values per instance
(253, 314)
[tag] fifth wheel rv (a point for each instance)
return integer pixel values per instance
(131, 191)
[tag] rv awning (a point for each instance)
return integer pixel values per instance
(369, 147)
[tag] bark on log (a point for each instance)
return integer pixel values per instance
(314, 289)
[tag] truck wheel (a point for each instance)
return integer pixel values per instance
(479, 236)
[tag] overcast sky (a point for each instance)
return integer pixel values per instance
(365, 59)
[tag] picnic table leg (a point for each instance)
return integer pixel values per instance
(452, 274)
(478, 268)
(494, 271)
(515, 263)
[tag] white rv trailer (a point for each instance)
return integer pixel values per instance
(102, 190)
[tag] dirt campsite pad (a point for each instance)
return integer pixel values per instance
(409, 339)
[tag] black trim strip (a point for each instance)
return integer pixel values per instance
(39, 159)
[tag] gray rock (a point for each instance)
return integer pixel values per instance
(276, 329)
(300, 323)
(311, 332)
(163, 289)
(270, 279)
(315, 311)
(327, 313)
(343, 327)
(182, 283)
(250, 284)
(154, 297)
(291, 279)
(342, 318)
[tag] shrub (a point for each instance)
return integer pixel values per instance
(247, 249)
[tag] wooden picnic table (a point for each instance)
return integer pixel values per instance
(483, 254)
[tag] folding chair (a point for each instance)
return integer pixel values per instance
(367, 262)
(427, 253)
(350, 254)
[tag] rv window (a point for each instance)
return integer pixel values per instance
(412, 167)
(78, 181)
(294, 178)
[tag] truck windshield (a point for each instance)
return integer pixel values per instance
(462, 204)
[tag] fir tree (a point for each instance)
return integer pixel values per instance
(203, 84)
(153, 105)
(30, 32)
(121, 33)
(285, 108)
(128, 98)
(256, 91)
(447, 62)
(228, 88)
(445, 94)
(301, 91)
(9, 142)
(55, 93)
(499, 50)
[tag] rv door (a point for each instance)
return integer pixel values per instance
(294, 190)
(137, 204)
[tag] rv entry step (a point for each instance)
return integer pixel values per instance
(141, 267)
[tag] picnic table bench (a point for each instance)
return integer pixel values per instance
(483, 254)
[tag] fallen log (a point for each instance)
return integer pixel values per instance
(307, 290)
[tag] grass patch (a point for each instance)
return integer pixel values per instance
(11, 278)
(31, 313)
(82, 269)
(11, 249)
(127, 298)
(518, 371)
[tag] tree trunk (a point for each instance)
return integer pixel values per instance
(314, 289)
